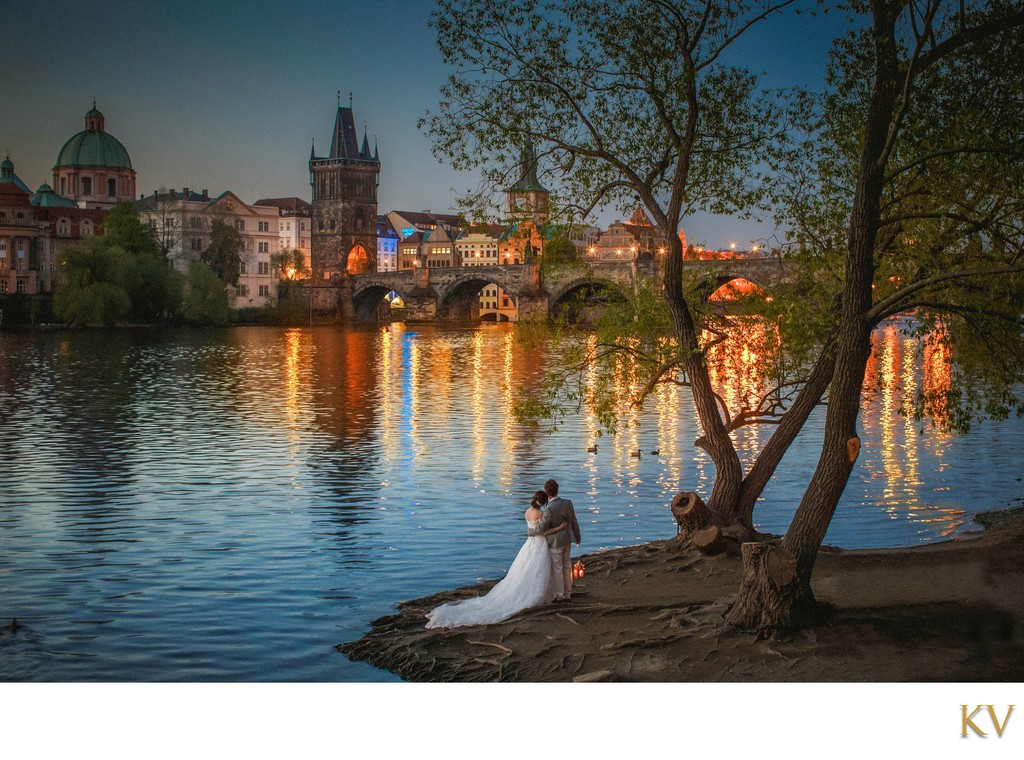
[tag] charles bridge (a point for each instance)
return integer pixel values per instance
(452, 293)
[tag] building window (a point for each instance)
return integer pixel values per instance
(264, 290)
(63, 185)
(21, 286)
(242, 290)
(264, 267)
(241, 267)
(112, 187)
(195, 222)
(504, 302)
(86, 185)
(3, 286)
(264, 248)
(239, 224)
(197, 244)
(264, 226)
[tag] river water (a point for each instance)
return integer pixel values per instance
(228, 505)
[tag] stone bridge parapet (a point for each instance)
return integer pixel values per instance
(451, 293)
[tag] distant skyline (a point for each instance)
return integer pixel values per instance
(230, 96)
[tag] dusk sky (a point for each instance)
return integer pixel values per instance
(229, 95)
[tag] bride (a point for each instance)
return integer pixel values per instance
(529, 581)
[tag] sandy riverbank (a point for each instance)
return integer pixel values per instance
(949, 611)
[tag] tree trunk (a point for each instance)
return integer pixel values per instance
(761, 603)
(785, 433)
(724, 499)
(769, 591)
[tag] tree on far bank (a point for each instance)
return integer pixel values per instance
(94, 284)
(206, 296)
(119, 275)
(224, 254)
(289, 264)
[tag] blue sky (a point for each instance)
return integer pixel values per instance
(229, 95)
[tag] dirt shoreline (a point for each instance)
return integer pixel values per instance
(948, 611)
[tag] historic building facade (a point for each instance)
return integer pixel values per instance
(182, 221)
(344, 208)
(293, 228)
(34, 229)
(93, 168)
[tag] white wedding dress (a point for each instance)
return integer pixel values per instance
(529, 582)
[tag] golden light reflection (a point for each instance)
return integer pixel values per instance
(889, 404)
(938, 379)
(390, 345)
(478, 402)
(412, 394)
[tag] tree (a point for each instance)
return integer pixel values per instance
(206, 296)
(119, 275)
(95, 279)
(289, 264)
(559, 252)
(919, 152)
(157, 289)
(625, 100)
(224, 254)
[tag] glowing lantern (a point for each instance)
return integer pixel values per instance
(578, 570)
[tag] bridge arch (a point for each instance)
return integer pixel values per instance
(460, 299)
(570, 300)
(369, 300)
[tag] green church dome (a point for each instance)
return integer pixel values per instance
(93, 147)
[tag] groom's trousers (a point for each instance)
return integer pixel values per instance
(561, 564)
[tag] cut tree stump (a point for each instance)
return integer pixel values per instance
(709, 540)
(691, 512)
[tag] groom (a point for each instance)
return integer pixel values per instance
(559, 511)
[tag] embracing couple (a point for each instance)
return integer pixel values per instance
(541, 572)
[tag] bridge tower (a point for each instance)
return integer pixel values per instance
(528, 206)
(344, 216)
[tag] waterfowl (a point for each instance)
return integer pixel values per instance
(592, 449)
(635, 453)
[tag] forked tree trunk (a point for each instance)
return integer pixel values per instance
(760, 605)
(789, 427)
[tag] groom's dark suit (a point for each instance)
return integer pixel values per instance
(559, 511)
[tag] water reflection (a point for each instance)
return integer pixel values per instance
(228, 505)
